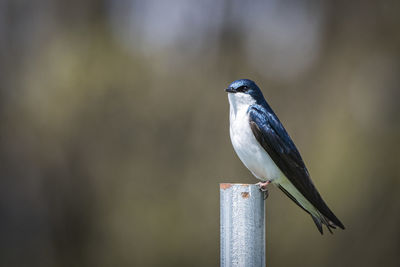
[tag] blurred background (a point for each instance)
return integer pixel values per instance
(114, 127)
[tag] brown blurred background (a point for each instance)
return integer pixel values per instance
(114, 127)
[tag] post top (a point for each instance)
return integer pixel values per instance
(228, 185)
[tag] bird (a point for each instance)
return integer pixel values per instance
(266, 149)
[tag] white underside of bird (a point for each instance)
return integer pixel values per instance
(252, 154)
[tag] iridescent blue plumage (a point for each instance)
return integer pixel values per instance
(272, 136)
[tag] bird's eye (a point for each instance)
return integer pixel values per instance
(243, 88)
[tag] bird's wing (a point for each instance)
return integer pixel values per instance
(273, 137)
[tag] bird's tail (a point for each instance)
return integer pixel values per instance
(325, 216)
(318, 218)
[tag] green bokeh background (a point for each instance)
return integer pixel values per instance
(114, 128)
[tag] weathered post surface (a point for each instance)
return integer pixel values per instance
(242, 225)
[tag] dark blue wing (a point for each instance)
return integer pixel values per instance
(273, 137)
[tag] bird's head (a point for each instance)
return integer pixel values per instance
(244, 92)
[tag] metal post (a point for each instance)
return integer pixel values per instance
(242, 225)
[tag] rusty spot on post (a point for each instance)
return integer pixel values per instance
(224, 186)
(245, 194)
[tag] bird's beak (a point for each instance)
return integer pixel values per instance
(230, 90)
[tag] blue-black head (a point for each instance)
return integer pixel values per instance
(248, 87)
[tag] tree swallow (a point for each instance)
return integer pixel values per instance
(266, 149)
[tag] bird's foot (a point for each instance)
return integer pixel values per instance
(263, 185)
(263, 188)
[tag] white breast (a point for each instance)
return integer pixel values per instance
(250, 152)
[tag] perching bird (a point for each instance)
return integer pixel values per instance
(265, 148)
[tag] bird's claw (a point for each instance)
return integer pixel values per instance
(263, 188)
(266, 194)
